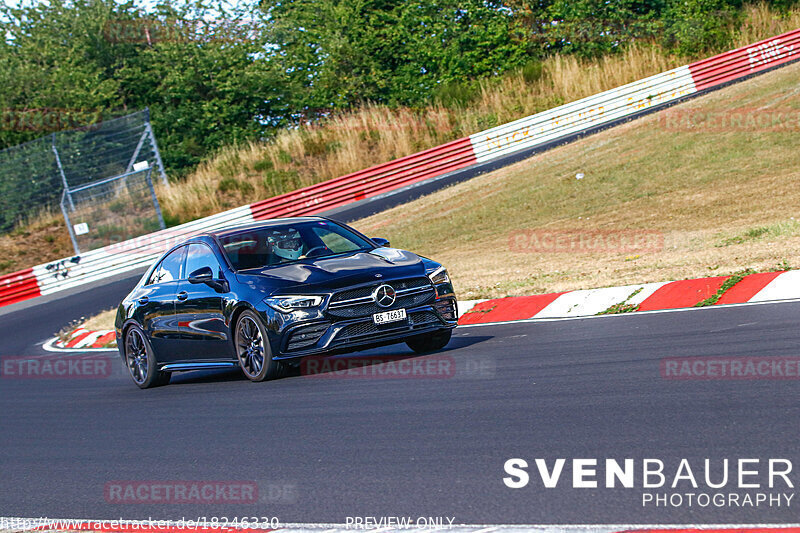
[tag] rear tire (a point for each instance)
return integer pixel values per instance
(431, 342)
(253, 350)
(141, 360)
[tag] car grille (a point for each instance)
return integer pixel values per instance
(368, 309)
(416, 320)
(363, 292)
(350, 303)
(306, 336)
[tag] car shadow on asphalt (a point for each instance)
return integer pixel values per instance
(353, 362)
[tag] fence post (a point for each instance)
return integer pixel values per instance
(63, 176)
(69, 223)
(155, 199)
(136, 152)
(154, 145)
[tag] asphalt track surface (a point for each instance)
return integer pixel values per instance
(321, 450)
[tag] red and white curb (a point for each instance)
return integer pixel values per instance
(82, 340)
(644, 297)
(672, 295)
(18, 525)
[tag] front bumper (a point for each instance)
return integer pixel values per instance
(324, 337)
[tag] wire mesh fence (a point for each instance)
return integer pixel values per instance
(110, 148)
(29, 181)
(36, 175)
(111, 210)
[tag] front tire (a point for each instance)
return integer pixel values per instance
(141, 360)
(253, 349)
(432, 342)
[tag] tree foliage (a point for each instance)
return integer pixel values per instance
(337, 53)
(591, 28)
(203, 80)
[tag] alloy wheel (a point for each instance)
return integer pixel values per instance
(136, 355)
(250, 346)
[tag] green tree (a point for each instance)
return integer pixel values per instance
(202, 71)
(591, 28)
(696, 27)
(207, 84)
(55, 58)
(335, 54)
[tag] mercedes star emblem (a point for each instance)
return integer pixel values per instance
(384, 296)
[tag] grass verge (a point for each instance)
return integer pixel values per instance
(656, 202)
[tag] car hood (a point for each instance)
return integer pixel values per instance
(331, 273)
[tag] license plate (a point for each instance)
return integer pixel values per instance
(389, 316)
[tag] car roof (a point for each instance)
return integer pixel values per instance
(224, 232)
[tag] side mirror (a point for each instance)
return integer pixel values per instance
(201, 275)
(380, 241)
(206, 275)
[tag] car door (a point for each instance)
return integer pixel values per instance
(156, 305)
(199, 309)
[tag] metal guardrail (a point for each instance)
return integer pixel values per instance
(541, 129)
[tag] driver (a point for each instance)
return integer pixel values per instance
(286, 244)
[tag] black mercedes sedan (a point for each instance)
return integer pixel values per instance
(264, 296)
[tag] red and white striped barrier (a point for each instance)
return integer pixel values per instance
(530, 132)
(762, 287)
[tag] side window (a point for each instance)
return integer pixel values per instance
(199, 256)
(169, 269)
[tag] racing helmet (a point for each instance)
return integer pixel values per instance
(286, 244)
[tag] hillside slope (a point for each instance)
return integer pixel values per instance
(708, 187)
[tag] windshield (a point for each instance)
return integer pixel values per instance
(280, 244)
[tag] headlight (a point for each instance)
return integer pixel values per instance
(287, 304)
(439, 276)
